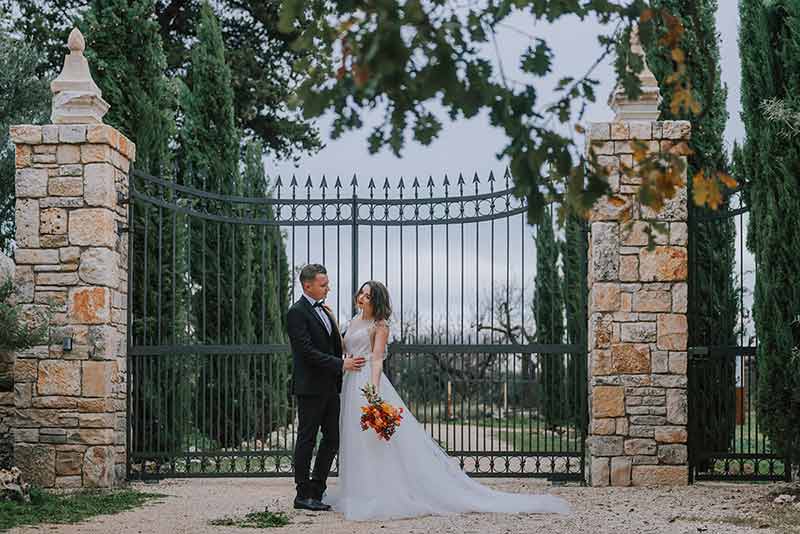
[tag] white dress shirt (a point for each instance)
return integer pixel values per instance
(324, 316)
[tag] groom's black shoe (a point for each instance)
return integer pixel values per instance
(310, 504)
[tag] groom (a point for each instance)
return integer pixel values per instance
(318, 366)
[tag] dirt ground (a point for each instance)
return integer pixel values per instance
(703, 508)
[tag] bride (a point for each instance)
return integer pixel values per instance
(410, 475)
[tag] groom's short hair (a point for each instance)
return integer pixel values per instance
(310, 272)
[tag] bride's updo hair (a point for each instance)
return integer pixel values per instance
(379, 297)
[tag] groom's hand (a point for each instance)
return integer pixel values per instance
(353, 363)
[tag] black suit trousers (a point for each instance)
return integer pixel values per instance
(315, 412)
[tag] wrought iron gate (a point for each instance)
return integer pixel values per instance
(210, 278)
(726, 441)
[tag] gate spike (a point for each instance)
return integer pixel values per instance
(446, 181)
(415, 185)
(294, 181)
(491, 176)
(386, 185)
(354, 182)
(461, 179)
(476, 180)
(338, 183)
(279, 182)
(309, 184)
(324, 183)
(371, 184)
(507, 176)
(401, 185)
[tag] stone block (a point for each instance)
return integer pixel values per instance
(652, 300)
(99, 267)
(638, 332)
(98, 467)
(678, 234)
(606, 445)
(23, 156)
(605, 297)
(25, 370)
(97, 378)
(641, 130)
(621, 471)
(620, 130)
(72, 133)
(31, 182)
(676, 129)
(26, 134)
(27, 218)
(664, 264)
(601, 472)
(673, 331)
(71, 170)
(603, 427)
(92, 227)
(674, 209)
(28, 256)
(622, 426)
(53, 221)
(640, 431)
(680, 297)
(58, 377)
(671, 434)
(69, 254)
(660, 475)
(98, 185)
(50, 134)
(56, 279)
(89, 305)
(673, 454)
(95, 153)
(68, 154)
(65, 186)
(608, 401)
(629, 268)
(97, 420)
(678, 363)
(55, 402)
(601, 362)
(105, 342)
(677, 407)
(630, 358)
(37, 462)
(640, 446)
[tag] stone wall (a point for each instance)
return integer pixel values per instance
(637, 319)
(72, 257)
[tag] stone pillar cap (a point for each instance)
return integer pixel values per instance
(645, 108)
(76, 98)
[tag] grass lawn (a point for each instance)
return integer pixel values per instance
(49, 508)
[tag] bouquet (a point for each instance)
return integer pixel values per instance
(378, 415)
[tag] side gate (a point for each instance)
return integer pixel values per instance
(726, 441)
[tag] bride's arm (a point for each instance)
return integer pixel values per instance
(378, 353)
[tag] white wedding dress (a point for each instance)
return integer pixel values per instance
(410, 475)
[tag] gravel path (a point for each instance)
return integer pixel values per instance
(192, 503)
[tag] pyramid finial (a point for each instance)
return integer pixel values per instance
(76, 98)
(644, 108)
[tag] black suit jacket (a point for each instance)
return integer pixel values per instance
(317, 355)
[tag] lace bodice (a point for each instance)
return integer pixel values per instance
(357, 338)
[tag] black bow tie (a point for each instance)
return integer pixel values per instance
(319, 303)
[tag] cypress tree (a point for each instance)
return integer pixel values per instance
(208, 160)
(713, 304)
(574, 253)
(548, 310)
(770, 52)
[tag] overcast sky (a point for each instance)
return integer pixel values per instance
(470, 145)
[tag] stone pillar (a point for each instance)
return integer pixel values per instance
(70, 395)
(637, 309)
